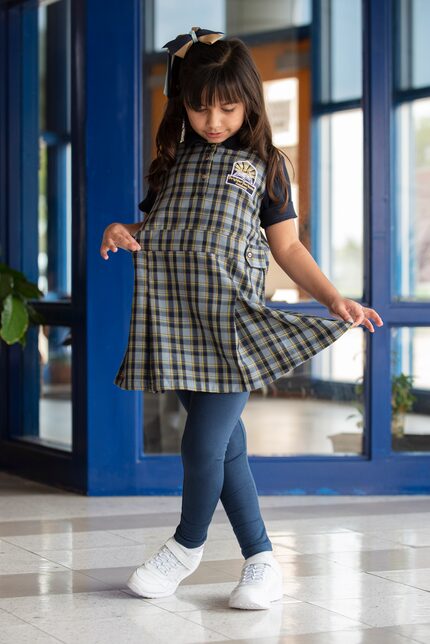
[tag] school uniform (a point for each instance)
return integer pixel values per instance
(199, 320)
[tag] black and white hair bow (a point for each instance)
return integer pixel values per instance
(178, 47)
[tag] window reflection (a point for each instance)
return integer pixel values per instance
(333, 230)
(315, 409)
(47, 387)
(340, 61)
(410, 389)
(54, 172)
(412, 26)
(230, 16)
(411, 231)
(309, 411)
(337, 223)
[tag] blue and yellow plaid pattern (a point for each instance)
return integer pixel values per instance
(199, 320)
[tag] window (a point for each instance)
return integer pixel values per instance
(410, 389)
(40, 220)
(54, 142)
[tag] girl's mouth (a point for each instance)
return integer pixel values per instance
(214, 134)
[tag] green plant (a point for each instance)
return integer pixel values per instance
(359, 404)
(402, 398)
(16, 312)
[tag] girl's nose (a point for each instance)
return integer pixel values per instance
(213, 121)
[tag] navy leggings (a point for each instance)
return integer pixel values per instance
(215, 463)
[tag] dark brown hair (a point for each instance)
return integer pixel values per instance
(223, 71)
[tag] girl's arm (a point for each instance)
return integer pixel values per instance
(299, 264)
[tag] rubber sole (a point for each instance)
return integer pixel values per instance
(254, 606)
(251, 606)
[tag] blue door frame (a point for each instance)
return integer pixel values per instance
(108, 117)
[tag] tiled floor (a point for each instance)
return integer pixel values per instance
(356, 571)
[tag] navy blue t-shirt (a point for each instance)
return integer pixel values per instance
(269, 212)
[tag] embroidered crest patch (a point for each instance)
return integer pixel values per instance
(243, 176)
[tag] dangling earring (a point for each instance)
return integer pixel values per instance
(251, 131)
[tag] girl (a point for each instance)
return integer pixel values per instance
(199, 324)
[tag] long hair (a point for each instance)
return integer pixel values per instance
(223, 71)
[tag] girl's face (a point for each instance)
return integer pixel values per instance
(217, 122)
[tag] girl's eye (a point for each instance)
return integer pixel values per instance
(202, 109)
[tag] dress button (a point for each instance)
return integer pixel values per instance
(249, 254)
(204, 176)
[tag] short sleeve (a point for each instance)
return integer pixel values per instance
(148, 202)
(270, 213)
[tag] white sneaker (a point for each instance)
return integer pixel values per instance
(160, 575)
(260, 582)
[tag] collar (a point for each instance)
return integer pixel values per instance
(232, 142)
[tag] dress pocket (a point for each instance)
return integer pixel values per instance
(257, 256)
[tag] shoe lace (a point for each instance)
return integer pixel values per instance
(253, 572)
(164, 560)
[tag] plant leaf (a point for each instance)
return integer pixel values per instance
(4, 268)
(20, 282)
(23, 340)
(6, 285)
(27, 289)
(14, 319)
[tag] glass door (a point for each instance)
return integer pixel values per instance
(312, 75)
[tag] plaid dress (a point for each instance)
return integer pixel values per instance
(199, 319)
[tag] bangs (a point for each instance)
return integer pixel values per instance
(215, 85)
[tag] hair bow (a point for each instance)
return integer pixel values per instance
(178, 47)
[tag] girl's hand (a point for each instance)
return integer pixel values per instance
(117, 236)
(352, 311)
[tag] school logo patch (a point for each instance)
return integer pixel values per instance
(243, 176)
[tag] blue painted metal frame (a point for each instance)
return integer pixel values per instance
(19, 210)
(380, 134)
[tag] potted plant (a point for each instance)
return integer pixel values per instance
(402, 401)
(16, 312)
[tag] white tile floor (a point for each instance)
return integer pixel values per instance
(356, 571)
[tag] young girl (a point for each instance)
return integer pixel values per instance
(199, 324)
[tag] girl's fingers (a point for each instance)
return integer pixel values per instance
(108, 245)
(371, 313)
(359, 315)
(368, 325)
(352, 313)
(132, 243)
(124, 242)
(103, 251)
